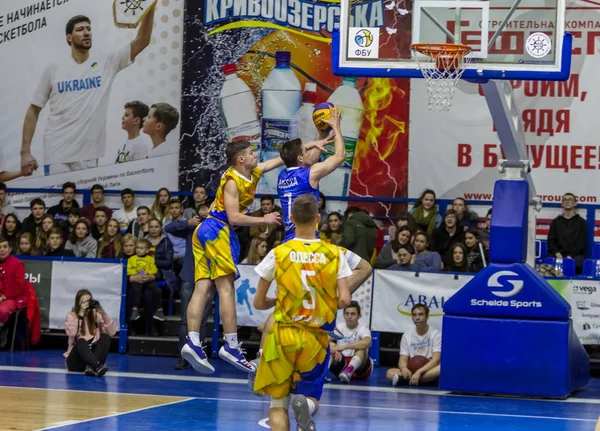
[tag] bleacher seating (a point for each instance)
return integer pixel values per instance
(566, 265)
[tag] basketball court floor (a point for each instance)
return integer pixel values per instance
(146, 393)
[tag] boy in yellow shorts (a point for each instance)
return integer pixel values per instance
(216, 254)
(312, 283)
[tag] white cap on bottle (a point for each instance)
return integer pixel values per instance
(310, 86)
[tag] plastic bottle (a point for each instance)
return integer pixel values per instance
(347, 99)
(281, 97)
(238, 108)
(302, 125)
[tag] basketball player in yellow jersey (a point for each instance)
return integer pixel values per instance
(312, 283)
(216, 254)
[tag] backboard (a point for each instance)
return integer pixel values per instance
(510, 39)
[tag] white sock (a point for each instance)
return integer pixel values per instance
(232, 340)
(311, 406)
(259, 353)
(195, 337)
(355, 362)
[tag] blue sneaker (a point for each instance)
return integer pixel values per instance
(236, 358)
(304, 421)
(196, 357)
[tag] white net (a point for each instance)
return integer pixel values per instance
(442, 66)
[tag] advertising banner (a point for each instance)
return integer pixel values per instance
(584, 297)
(255, 70)
(69, 67)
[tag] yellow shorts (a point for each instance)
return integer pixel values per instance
(294, 359)
(216, 250)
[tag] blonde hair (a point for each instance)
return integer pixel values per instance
(253, 257)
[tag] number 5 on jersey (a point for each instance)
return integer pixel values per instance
(308, 305)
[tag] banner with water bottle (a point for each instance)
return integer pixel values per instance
(256, 70)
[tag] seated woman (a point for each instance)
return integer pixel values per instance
(458, 261)
(81, 240)
(41, 241)
(332, 230)
(110, 243)
(257, 252)
(89, 329)
(11, 230)
(475, 255)
(388, 255)
(424, 259)
(26, 245)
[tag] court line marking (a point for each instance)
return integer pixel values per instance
(90, 392)
(238, 381)
(115, 414)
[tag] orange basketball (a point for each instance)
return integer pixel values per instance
(416, 363)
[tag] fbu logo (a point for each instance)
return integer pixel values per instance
(493, 281)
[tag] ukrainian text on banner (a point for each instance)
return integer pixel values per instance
(103, 280)
(247, 315)
(71, 106)
(462, 150)
(395, 293)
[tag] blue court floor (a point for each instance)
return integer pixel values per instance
(223, 401)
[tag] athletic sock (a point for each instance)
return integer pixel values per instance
(195, 337)
(355, 362)
(232, 340)
(311, 406)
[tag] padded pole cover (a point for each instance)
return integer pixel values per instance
(510, 213)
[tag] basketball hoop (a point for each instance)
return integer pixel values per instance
(442, 65)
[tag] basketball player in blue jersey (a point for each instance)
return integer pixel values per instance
(303, 174)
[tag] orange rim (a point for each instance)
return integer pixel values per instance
(434, 50)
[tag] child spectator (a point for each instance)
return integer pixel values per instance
(388, 255)
(137, 145)
(406, 254)
(161, 119)
(257, 252)
(474, 255)
(48, 223)
(68, 225)
(33, 222)
(160, 207)
(200, 198)
(89, 329)
(128, 213)
(99, 225)
(60, 212)
(331, 231)
(88, 211)
(425, 212)
(142, 272)
(458, 261)
(26, 245)
(81, 241)
(55, 244)
(424, 259)
(11, 229)
(110, 244)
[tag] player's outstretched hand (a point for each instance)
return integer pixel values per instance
(335, 119)
(272, 218)
(321, 143)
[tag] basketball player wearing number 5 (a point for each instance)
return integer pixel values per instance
(78, 91)
(312, 283)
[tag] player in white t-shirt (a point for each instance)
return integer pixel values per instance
(161, 119)
(77, 91)
(424, 341)
(350, 355)
(138, 144)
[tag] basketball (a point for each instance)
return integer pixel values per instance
(322, 112)
(416, 362)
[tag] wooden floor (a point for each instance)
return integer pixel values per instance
(45, 408)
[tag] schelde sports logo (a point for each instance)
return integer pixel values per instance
(516, 286)
(363, 38)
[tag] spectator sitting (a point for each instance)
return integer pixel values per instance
(425, 212)
(128, 213)
(200, 198)
(69, 224)
(55, 244)
(60, 212)
(162, 250)
(331, 231)
(484, 234)
(350, 355)
(445, 236)
(423, 259)
(477, 260)
(127, 246)
(33, 222)
(89, 329)
(568, 234)
(359, 233)
(26, 245)
(267, 206)
(404, 219)
(459, 262)
(99, 225)
(179, 246)
(142, 272)
(81, 241)
(466, 218)
(5, 206)
(424, 341)
(110, 244)
(322, 204)
(11, 231)
(406, 254)
(89, 211)
(41, 240)
(13, 288)
(139, 226)
(160, 207)
(185, 229)
(257, 252)
(388, 255)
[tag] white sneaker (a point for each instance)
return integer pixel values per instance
(395, 379)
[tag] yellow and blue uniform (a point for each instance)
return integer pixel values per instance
(214, 243)
(296, 351)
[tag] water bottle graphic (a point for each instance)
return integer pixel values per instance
(238, 108)
(281, 96)
(347, 99)
(302, 125)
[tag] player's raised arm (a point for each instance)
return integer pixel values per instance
(269, 165)
(142, 40)
(232, 208)
(322, 169)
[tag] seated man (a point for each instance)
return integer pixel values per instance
(350, 355)
(13, 286)
(568, 233)
(422, 341)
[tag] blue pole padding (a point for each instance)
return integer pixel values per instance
(214, 344)
(374, 349)
(123, 315)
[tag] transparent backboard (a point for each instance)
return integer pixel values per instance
(510, 39)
